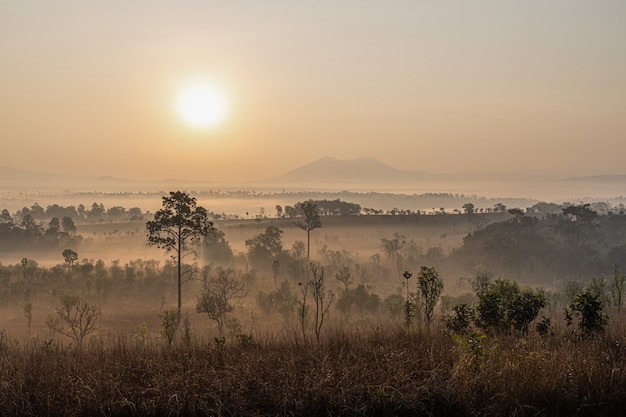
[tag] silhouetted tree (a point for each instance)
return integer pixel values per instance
(75, 319)
(265, 247)
(218, 296)
(178, 227)
(578, 223)
(67, 224)
(430, 287)
(393, 249)
(311, 222)
(70, 258)
(215, 248)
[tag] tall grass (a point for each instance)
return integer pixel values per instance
(364, 373)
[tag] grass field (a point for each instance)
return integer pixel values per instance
(353, 373)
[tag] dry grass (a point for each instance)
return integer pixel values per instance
(361, 373)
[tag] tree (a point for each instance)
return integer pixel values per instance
(393, 249)
(468, 208)
(617, 288)
(578, 223)
(97, 212)
(75, 319)
(215, 248)
(358, 299)
(430, 287)
(217, 298)
(311, 222)
(297, 260)
(177, 228)
(70, 258)
(265, 246)
(408, 305)
(588, 308)
(280, 300)
(499, 208)
(54, 225)
(504, 304)
(169, 325)
(322, 298)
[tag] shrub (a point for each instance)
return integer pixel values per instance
(588, 308)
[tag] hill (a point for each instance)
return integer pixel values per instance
(361, 170)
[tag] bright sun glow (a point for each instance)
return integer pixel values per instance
(201, 105)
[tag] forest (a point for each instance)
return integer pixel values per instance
(321, 307)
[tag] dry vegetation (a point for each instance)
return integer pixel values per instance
(375, 372)
(365, 363)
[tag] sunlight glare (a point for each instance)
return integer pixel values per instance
(201, 105)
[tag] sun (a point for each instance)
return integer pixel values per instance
(202, 105)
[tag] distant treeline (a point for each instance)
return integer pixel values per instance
(569, 243)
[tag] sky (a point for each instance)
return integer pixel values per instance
(448, 86)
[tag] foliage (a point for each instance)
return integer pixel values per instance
(265, 247)
(218, 296)
(178, 227)
(504, 305)
(461, 318)
(311, 222)
(617, 288)
(344, 276)
(473, 350)
(395, 305)
(525, 308)
(140, 334)
(359, 300)
(587, 307)
(430, 287)
(169, 325)
(336, 207)
(393, 249)
(544, 326)
(215, 248)
(70, 258)
(577, 224)
(280, 300)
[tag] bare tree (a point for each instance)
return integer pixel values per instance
(322, 297)
(303, 311)
(75, 319)
(218, 296)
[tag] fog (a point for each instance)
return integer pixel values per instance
(459, 235)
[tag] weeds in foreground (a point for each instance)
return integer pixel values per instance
(388, 372)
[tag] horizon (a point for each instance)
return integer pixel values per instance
(443, 88)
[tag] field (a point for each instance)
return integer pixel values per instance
(364, 362)
(352, 373)
(125, 243)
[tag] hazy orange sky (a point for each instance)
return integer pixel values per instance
(443, 86)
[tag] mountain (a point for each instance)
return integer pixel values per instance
(13, 179)
(330, 170)
(23, 180)
(617, 178)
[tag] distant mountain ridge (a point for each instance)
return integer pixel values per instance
(333, 170)
(611, 178)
